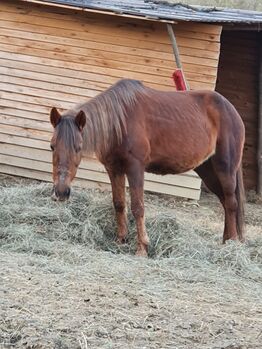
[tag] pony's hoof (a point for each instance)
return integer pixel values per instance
(122, 241)
(141, 252)
(230, 238)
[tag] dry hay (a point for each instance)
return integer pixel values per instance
(31, 222)
(217, 287)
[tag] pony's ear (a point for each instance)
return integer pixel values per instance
(80, 120)
(55, 117)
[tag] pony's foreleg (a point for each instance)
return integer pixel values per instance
(135, 177)
(119, 202)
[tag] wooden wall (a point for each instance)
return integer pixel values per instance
(238, 81)
(57, 57)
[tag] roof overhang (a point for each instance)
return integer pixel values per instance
(77, 7)
(162, 11)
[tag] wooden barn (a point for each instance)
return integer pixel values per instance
(62, 52)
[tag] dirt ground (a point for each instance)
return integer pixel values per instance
(61, 289)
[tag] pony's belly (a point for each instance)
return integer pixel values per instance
(163, 168)
(180, 165)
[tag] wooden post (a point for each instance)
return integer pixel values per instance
(176, 51)
(259, 147)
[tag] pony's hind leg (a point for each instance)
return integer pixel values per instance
(207, 173)
(228, 175)
(223, 185)
(119, 202)
(230, 206)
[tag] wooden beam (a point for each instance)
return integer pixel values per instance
(259, 148)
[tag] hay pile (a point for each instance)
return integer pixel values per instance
(31, 223)
(66, 284)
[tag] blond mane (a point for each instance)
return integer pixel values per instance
(106, 115)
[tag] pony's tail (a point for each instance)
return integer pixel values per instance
(240, 196)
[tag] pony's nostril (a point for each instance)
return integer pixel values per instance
(60, 194)
(68, 191)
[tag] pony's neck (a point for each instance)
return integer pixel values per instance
(107, 116)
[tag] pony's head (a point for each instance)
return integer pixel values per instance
(66, 145)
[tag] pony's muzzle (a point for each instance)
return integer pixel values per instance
(60, 195)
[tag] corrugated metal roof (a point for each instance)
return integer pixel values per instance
(162, 10)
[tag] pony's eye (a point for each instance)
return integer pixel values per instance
(78, 149)
(52, 147)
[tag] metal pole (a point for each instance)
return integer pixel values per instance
(176, 51)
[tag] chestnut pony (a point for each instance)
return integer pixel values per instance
(132, 129)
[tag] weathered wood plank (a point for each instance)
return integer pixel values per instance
(52, 67)
(35, 100)
(69, 60)
(142, 54)
(96, 24)
(9, 115)
(188, 180)
(95, 176)
(97, 19)
(16, 119)
(35, 87)
(8, 104)
(44, 176)
(101, 58)
(150, 80)
(42, 27)
(117, 69)
(42, 64)
(46, 72)
(34, 174)
(42, 73)
(26, 132)
(30, 142)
